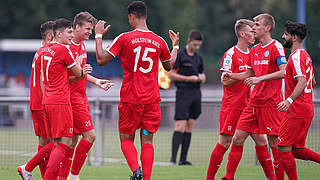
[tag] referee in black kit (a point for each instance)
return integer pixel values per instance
(187, 75)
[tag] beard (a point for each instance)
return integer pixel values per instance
(287, 43)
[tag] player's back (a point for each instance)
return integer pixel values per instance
(35, 88)
(54, 63)
(140, 52)
(300, 64)
(264, 61)
(235, 96)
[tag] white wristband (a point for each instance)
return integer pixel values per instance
(290, 100)
(98, 82)
(98, 36)
(176, 47)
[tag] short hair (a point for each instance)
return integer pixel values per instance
(84, 17)
(241, 24)
(195, 34)
(45, 28)
(296, 29)
(138, 8)
(267, 19)
(61, 24)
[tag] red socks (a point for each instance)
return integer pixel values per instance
(147, 157)
(233, 160)
(130, 153)
(306, 154)
(215, 161)
(80, 156)
(288, 163)
(57, 156)
(66, 164)
(265, 160)
(276, 164)
(41, 158)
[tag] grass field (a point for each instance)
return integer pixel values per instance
(18, 145)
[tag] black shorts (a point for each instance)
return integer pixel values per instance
(188, 104)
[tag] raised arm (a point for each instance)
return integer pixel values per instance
(167, 65)
(103, 57)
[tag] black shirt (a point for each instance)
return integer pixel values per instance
(188, 65)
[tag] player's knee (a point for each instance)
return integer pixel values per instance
(238, 140)
(91, 137)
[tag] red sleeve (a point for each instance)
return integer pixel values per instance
(298, 64)
(165, 53)
(116, 46)
(227, 63)
(278, 51)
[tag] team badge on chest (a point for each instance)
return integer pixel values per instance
(266, 54)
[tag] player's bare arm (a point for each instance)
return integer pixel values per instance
(298, 89)
(202, 77)
(314, 82)
(173, 75)
(167, 65)
(227, 81)
(101, 83)
(268, 77)
(77, 71)
(103, 57)
(238, 76)
(85, 71)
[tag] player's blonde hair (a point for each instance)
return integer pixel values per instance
(83, 17)
(268, 20)
(241, 24)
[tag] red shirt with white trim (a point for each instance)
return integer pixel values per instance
(35, 78)
(235, 96)
(264, 61)
(299, 64)
(55, 60)
(140, 52)
(78, 89)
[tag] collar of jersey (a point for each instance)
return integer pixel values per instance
(75, 43)
(142, 30)
(242, 51)
(267, 44)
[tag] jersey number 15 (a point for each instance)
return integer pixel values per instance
(137, 51)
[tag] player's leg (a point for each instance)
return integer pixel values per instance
(66, 164)
(299, 150)
(279, 172)
(235, 153)
(217, 155)
(186, 142)
(263, 154)
(59, 126)
(82, 124)
(287, 162)
(147, 153)
(129, 121)
(194, 112)
(81, 152)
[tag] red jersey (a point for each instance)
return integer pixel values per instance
(78, 89)
(299, 64)
(35, 88)
(140, 52)
(235, 96)
(264, 61)
(54, 63)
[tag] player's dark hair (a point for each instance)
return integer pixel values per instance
(45, 28)
(61, 24)
(195, 34)
(138, 8)
(296, 29)
(267, 19)
(82, 18)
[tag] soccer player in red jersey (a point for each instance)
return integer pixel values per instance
(260, 115)
(83, 24)
(46, 30)
(298, 106)
(55, 61)
(140, 51)
(235, 94)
